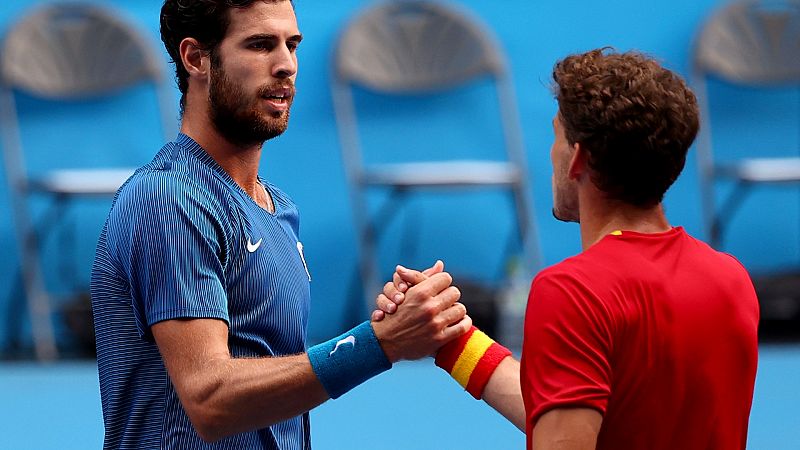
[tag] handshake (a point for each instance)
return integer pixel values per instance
(418, 313)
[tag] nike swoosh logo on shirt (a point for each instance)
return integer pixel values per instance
(253, 247)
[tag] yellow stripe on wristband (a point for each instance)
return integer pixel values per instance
(476, 346)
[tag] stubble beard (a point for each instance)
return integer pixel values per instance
(238, 119)
(568, 218)
(565, 203)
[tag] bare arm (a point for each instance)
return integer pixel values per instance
(567, 429)
(559, 429)
(502, 392)
(223, 395)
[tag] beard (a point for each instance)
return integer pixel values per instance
(239, 119)
(565, 202)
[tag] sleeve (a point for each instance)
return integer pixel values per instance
(175, 244)
(565, 355)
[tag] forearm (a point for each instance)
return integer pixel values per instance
(234, 395)
(487, 371)
(503, 392)
(223, 395)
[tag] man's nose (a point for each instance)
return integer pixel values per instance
(285, 64)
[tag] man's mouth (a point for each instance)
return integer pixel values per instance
(279, 96)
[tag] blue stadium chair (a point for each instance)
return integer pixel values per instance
(752, 45)
(418, 50)
(62, 53)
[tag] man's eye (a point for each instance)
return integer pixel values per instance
(259, 45)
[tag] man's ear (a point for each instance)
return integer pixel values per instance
(578, 165)
(195, 60)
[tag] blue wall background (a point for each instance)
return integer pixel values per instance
(465, 231)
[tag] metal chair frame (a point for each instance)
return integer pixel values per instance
(748, 43)
(417, 48)
(60, 53)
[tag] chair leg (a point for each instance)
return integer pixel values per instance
(726, 211)
(411, 225)
(372, 235)
(707, 205)
(365, 235)
(39, 307)
(369, 266)
(14, 313)
(36, 297)
(532, 258)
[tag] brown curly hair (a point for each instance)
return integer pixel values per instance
(205, 20)
(635, 119)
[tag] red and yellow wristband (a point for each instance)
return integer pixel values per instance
(471, 360)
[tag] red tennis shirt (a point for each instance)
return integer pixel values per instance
(657, 332)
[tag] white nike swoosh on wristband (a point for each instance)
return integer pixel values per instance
(348, 340)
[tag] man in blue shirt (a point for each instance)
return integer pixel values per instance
(200, 288)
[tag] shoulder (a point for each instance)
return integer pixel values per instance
(159, 203)
(713, 262)
(579, 270)
(161, 190)
(576, 290)
(566, 285)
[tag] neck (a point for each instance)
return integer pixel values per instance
(601, 216)
(240, 162)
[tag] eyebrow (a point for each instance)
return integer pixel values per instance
(263, 36)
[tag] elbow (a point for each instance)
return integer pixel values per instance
(209, 435)
(207, 415)
(208, 432)
(519, 422)
(209, 424)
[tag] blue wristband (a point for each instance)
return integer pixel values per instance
(348, 360)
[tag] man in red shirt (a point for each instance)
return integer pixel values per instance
(648, 338)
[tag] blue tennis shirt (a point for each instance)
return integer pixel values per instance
(183, 240)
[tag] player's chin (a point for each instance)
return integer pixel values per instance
(278, 115)
(565, 215)
(273, 127)
(276, 119)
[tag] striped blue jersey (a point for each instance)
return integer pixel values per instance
(183, 240)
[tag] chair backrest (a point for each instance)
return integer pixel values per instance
(414, 48)
(75, 50)
(407, 46)
(415, 56)
(67, 52)
(752, 42)
(748, 43)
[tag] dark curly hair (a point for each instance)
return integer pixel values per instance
(205, 20)
(635, 119)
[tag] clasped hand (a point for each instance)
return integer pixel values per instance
(418, 312)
